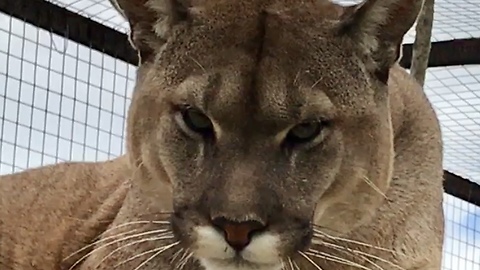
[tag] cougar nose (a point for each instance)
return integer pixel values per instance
(238, 234)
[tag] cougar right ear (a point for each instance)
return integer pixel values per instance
(151, 22)
(378, 27)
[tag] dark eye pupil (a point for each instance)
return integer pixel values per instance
(304, 132)
(196, 120)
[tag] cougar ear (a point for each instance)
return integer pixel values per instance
(151, 22)
(378, 26)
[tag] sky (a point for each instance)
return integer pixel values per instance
(81, 116)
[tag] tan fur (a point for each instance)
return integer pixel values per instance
(256, 69)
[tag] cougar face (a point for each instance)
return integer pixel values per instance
(266, 119)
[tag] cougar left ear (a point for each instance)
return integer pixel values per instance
(379, 26)
(151, 22)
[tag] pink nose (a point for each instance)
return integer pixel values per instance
(238, 234)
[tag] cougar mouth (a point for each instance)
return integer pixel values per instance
(211, 245)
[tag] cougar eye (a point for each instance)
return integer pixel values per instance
(304, 132)
(197, 121)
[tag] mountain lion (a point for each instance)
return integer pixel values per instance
(262, 135)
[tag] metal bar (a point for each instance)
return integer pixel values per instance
(102, 38)
(461, 188)
(448, 53)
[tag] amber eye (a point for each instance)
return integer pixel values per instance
(197, 121)
(304, 132)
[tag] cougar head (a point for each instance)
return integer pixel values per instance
(265, 118)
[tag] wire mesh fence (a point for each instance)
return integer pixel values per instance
(60, 101)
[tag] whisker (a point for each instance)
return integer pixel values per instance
(184, 254)
(292, 264)
(304, 255)
(349, 251)
(345, 248)
(365, 255)
(316, 83)
(322, 229)
(185, 260)
(297, 76)
(320, 234)
(176, 254)
(198, 64)
(144, 222)
(374, 187)
(160, 251)
(157, 252)
(288, 266)
(167, 236)
(98, 242)
(296, 265)
(372, 262)
(332, 258)
(113, 242)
